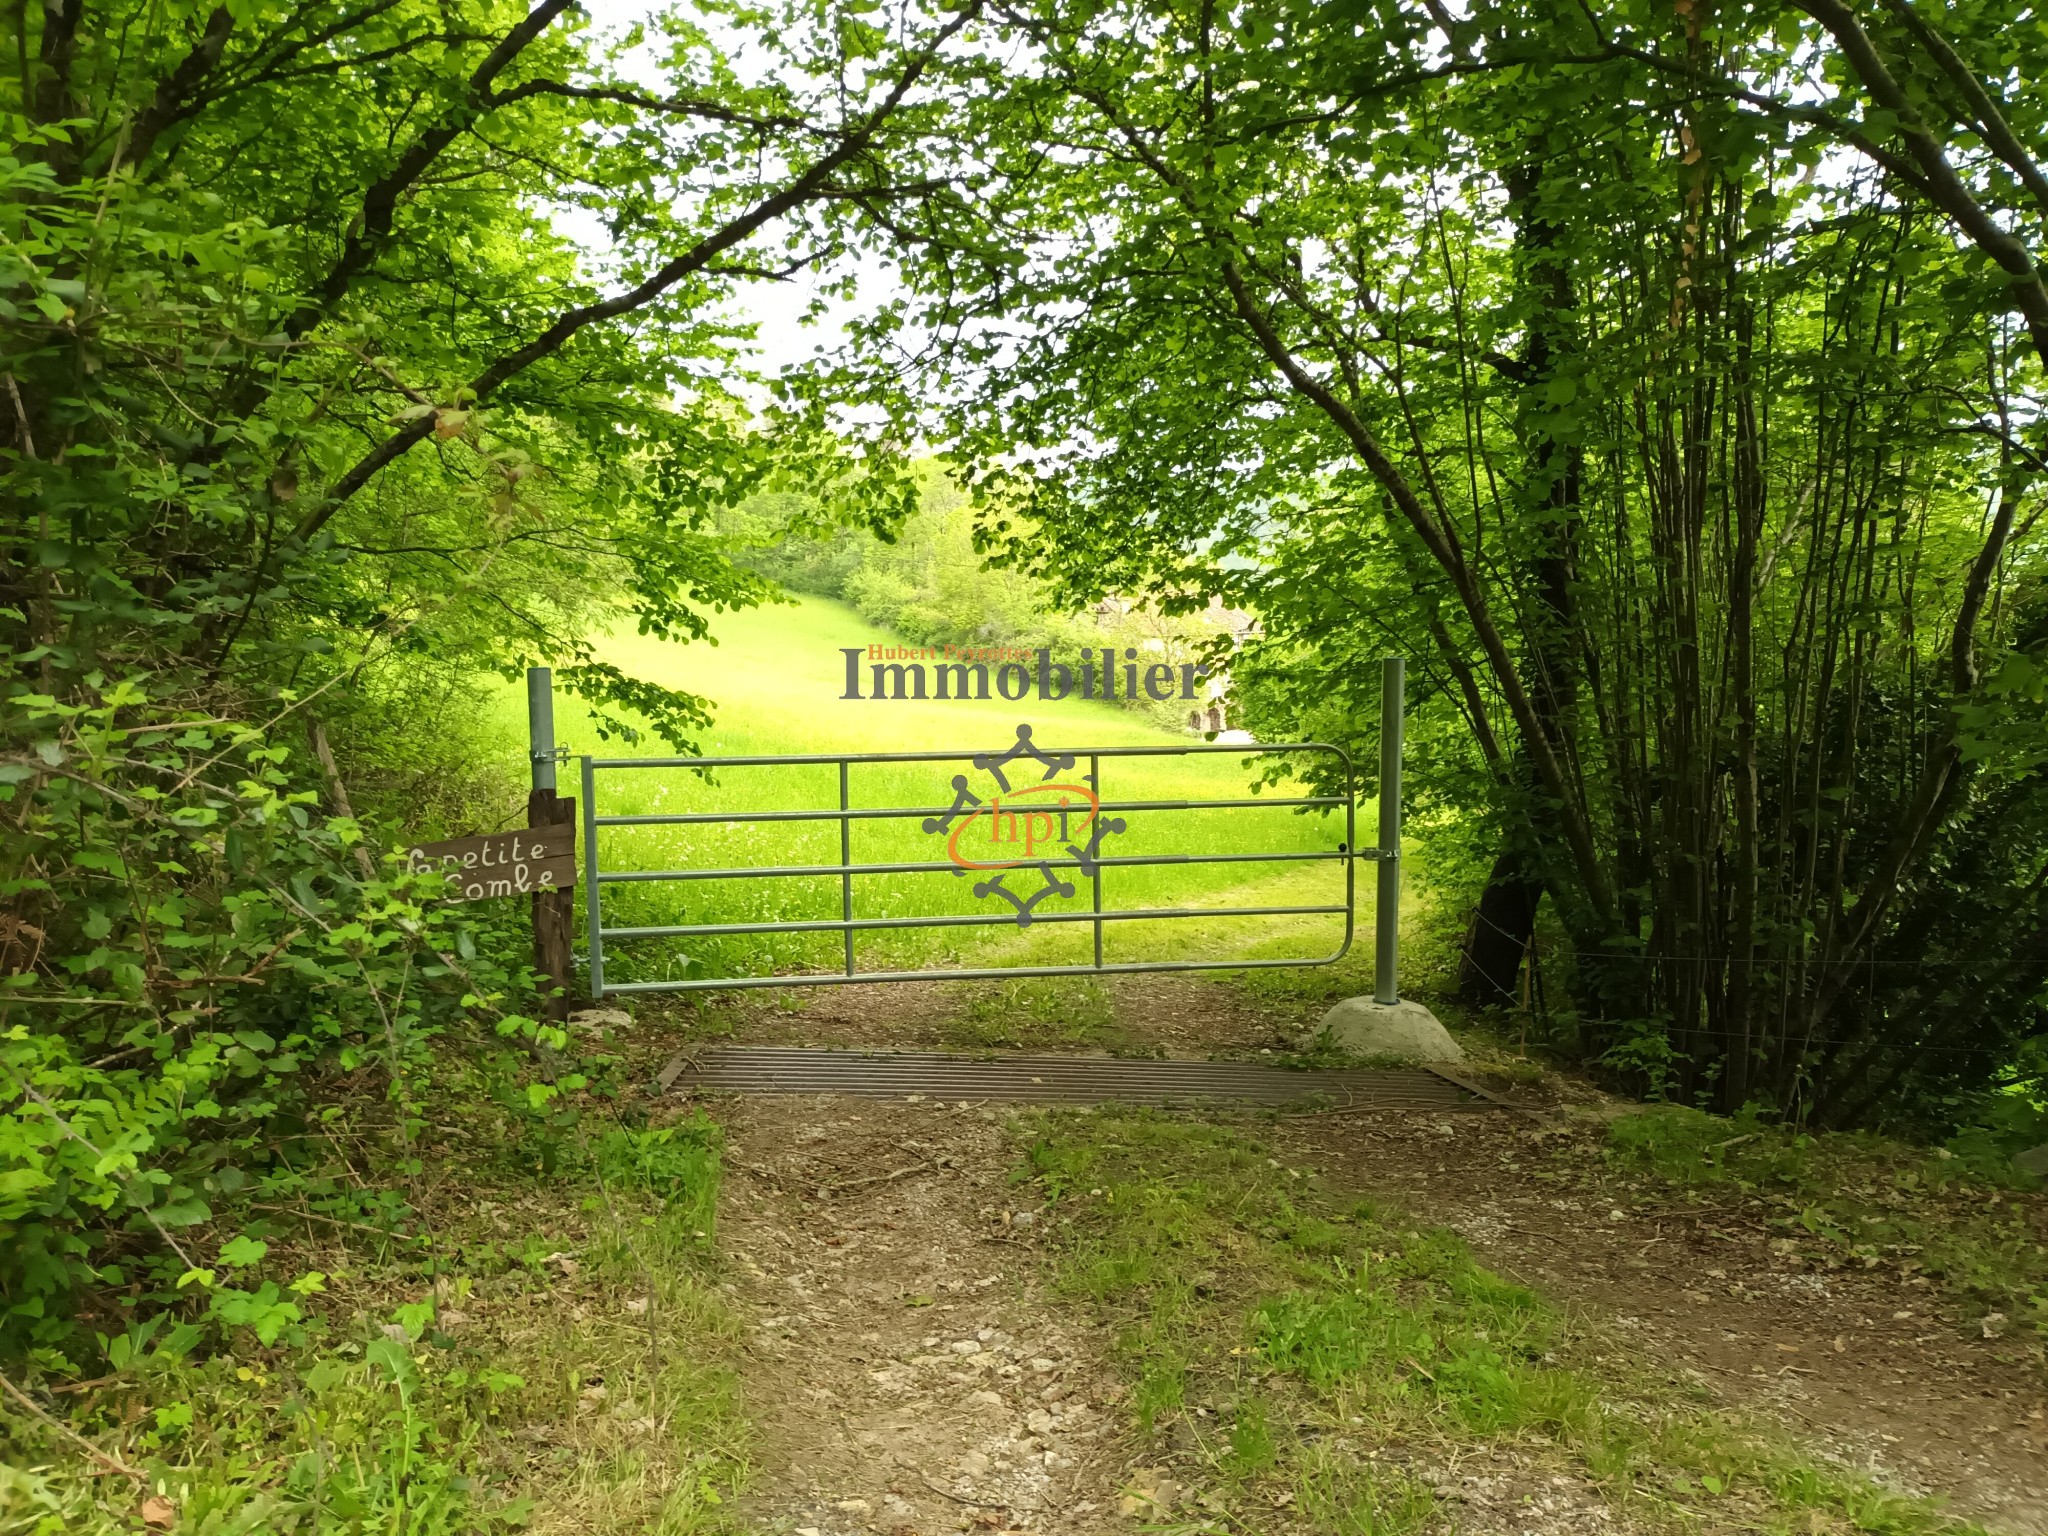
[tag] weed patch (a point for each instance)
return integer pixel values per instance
(1320, 1353)
(546, 1354)
(1041, 1013)
(1845, 1200)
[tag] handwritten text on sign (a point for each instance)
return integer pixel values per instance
(515, 863)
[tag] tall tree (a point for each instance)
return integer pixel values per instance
(306, 391)
(1701, 448)
(261, 259)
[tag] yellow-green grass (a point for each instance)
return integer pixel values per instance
(776, 678)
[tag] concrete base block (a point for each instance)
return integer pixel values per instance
(1405, 1029)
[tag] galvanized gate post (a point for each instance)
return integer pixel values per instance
(554, 912)
(540, 725)
(1386, 914)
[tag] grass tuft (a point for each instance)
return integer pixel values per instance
(1287, 1336)
(1038, 1014)
(1860, 1201)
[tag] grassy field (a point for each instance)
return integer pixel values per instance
(776, 679)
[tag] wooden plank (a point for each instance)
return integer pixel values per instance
(1485, 1093)
(516, 863)
(666, 1078)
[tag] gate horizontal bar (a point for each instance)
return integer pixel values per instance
(905, 813)
(866, 924)
(1250, 749)
(946, 866)
(982, 973)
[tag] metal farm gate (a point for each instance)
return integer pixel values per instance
(1080, 857)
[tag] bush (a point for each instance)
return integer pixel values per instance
(196, 961)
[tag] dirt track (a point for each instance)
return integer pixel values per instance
(908, 1374)
(1867, 1369)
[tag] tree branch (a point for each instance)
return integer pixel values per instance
(699, 257)
(1990, 121)
(678, 105)
(1941, 783)
(380, 200)
(111, 1463)
(168, 101)
(1963, 643)
(1442, 544)
(1938, 179)
(58, 54)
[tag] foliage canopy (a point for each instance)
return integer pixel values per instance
(1670, 377)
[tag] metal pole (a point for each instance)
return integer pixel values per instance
(1351, 852)
(592, 916)
(1095, 879)
(540, 724)
(1386, 917)
(845, 862)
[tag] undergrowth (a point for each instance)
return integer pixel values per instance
(1319, 1353)
(1966, 1225)
(534, 1344)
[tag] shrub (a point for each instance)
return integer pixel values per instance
(196, 961)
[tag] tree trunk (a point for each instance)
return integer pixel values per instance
(1497, 938)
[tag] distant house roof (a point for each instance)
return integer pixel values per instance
(1242, 625)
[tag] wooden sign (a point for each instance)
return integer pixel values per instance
(522, 862)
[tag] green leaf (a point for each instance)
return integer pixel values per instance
(389, 1356)
(241, 1252)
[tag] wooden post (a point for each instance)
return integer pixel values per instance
(554, 912)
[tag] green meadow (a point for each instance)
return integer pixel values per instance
(776, 676)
